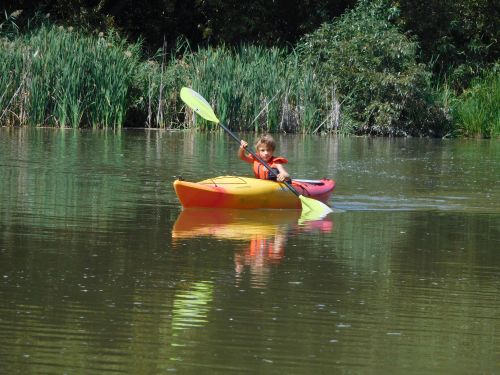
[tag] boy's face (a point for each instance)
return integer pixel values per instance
(265, 152)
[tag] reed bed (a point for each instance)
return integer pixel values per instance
(245, 86)
(157, 84)
(250, 88)
(256, 89)
(57, 77)
(477, 111)
(11, 82)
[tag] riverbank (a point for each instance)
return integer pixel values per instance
(63, 77)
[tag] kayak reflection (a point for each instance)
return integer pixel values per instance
(263, 232)
(232, 224)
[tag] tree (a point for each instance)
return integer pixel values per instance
(207, 22)
(374, 67)
(458, 37)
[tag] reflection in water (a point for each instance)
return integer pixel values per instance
(191, 306)
(189, 311)
(259, 255)
(264, 234)
(231, 224)
(91, 280)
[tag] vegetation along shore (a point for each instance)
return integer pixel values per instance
(370, 67)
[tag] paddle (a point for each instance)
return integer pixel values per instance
(313, 208)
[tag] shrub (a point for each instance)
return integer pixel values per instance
(477, 110)
(384, 90)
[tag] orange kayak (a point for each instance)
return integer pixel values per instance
(246, 193)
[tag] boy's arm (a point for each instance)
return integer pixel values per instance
(242, 154)
(283, 174)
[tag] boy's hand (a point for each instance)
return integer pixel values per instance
(243, 144)
(282, 177)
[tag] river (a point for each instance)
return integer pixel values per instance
(101, 271)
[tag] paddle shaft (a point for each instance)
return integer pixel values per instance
(288, 185)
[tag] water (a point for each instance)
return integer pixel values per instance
(102, 272)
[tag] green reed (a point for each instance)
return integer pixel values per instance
(58, 77)
(157, 85)
(251, 88)
(11, 82)
(477, 111)
(68, 79)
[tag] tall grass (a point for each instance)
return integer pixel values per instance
(477, 110)
(257, 89)
(245, 86)
(156, 89)
(58, 77)
(54, 76)
(11, 81)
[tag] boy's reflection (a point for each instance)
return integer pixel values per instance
(265, 251)
(262, 252)
(266, 231)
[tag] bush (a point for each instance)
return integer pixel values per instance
(374, 67)
(477, 111)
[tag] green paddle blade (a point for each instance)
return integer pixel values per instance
(313, 209)
(198, 104)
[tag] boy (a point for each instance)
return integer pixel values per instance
(264, 148)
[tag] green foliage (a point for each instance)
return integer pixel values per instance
(155, 90)
(243, 84)
(458, 38)
(59, 77)
(248, 87)
(374, 67)
(278, 94)
(357, 74)
(207, 22)
(477, 110)
(251, 88)
(8, 27)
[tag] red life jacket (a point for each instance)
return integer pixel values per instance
(261, 172)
